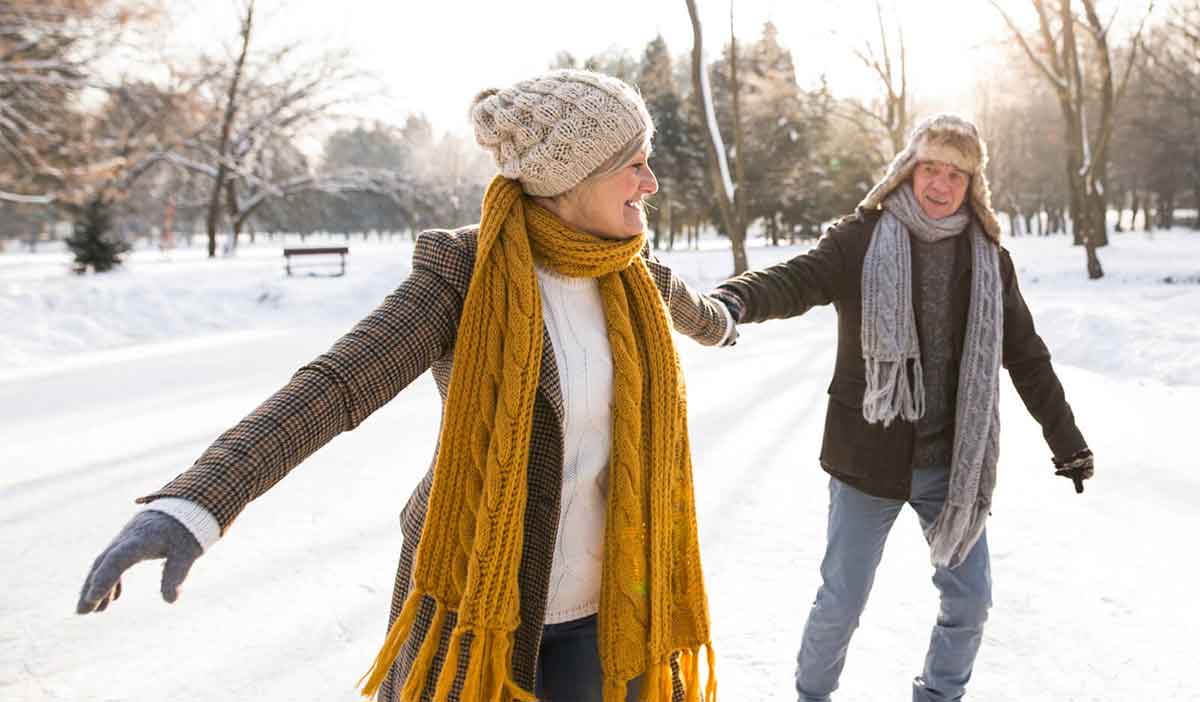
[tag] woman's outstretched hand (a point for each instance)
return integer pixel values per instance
(149, 535)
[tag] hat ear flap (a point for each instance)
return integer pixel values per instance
(981, 203)
(898, 171)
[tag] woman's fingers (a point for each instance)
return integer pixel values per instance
(104, 582)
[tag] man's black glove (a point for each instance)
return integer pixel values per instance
(149, 535)
(735, 305)
(1078, 467)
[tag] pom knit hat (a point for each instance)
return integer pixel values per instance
(552, 131)
(950, 139)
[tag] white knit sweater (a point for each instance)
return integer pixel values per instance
(574, 317)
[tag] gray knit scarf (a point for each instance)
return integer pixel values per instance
(895, 384)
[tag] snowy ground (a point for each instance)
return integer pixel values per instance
(111, 385)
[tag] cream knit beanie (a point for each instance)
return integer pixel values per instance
(552, 131)
(951, 139)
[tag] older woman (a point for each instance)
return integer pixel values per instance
(551, 549)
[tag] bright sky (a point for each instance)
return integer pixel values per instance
(432, 57)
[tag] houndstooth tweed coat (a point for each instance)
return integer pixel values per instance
(411, 331)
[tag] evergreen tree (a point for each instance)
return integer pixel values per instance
(699, 208)
(92, 242)
(658, 88)
(378, 147)
(783, 126)
(616, 62)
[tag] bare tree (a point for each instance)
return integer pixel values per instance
(1165, 132)
(1013, 107)
(134, 131)
(46, 50)
(1061, 61)
(265, 99)
(891, 112)
(725, 191)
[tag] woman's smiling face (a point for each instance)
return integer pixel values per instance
(611, 206)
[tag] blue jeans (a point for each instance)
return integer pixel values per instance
(568, 668)
(858, 528)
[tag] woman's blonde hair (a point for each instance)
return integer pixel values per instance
(619, 159)
(613, 164)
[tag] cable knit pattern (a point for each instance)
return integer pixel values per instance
(574, 317)
(890, 350)
(552, 131)
(469, 565)
(471, 543)
(977, 414)
(889, 330)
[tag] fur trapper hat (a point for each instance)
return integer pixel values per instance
(552, 131)
(951, 139)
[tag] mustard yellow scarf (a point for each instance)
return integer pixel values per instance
(652, 604)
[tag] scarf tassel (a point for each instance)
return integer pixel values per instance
(658, 680)
(955, 532)
(890, 393)
(396, 636)
(689, 664)
(487, 677)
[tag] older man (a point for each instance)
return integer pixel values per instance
(928, 310)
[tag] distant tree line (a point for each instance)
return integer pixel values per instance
(213, 148)
(1151, 155)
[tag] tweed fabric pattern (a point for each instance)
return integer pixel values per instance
(888, 313)
(552, 131)
(333, 393)
(921, 147)
(411, 331)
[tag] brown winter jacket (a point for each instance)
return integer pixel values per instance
(868, 456)
(411, 331)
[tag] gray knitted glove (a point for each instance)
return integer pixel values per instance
(150, 534)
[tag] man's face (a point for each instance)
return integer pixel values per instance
(940, 188)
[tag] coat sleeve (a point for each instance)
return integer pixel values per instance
(699, 316)
(791, 288)
(335, 392)
(1028, 362)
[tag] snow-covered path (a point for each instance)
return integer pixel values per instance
(1093, 594)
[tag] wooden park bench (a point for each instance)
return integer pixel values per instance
(322, 251)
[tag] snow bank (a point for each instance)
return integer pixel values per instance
(1142, 320)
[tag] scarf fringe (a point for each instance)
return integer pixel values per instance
(955, 532)
(396, 636)
(658, 680)
(890, 394)
(414, 685)
(488, 675)
(487, 678)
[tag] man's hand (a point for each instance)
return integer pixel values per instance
(1079, 467)
(148, 535)
(732, 302)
